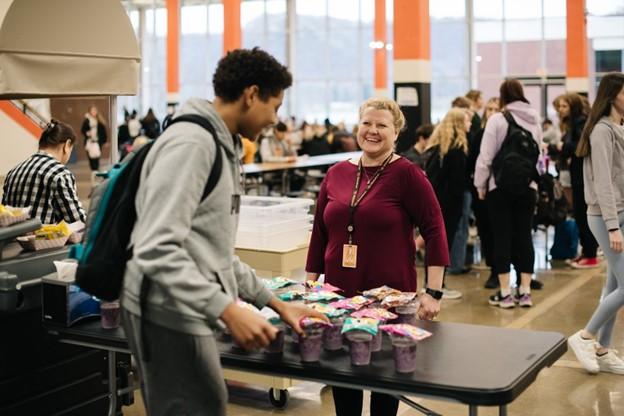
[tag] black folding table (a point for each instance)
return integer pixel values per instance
(472, 364)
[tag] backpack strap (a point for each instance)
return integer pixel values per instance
(215, 173)
(509, 118)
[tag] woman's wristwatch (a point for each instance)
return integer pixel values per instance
(436, 294)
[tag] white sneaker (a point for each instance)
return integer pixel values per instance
(585, 351)
(611, 363)
(451, 293)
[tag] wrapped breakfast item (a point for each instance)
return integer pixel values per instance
(404, 338)
(77, 231)
(290, 295)
(278, 282)
(380, 292)
(360, 333)
(316, 286)
(380, 314)
(10, 215)
(321, 296)
(354, 303)
(403, 298)
(311, 344)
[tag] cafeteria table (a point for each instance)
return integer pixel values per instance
(472, 364)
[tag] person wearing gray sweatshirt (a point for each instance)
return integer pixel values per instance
(602, 148)
(184, 245)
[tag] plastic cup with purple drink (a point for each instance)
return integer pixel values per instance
(332, 337)
(404, 353)
(359, 347)
(310, 345)
(109, 313)
(277, 345)
(407, 313)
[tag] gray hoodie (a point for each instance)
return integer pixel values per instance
(184, 246)
(603, 172)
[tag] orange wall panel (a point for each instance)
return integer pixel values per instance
(411, 30)
(231, 25)
(173, 46)
(576, 40)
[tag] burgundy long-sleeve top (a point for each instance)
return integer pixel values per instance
(401, 199)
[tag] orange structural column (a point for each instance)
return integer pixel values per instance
(412, 66)
(231, 25)
(381, 62)
(577, 71)
(173, 50)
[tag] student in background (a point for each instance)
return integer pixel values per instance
(602, 148)
(94, 132)
(418, 153)
(43, 182)
(275, 147)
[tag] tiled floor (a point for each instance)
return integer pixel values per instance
(564, 305)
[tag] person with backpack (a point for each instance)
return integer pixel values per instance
(183, 279)
(505, 176)
(446, 170)
(601, 147)
(574, 114)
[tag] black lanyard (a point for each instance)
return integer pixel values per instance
(355, 200)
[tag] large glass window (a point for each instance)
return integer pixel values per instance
(263, 23)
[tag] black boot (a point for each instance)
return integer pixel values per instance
(492, 281)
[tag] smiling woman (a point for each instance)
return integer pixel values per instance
(363, 235)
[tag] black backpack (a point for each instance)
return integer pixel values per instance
(514, 166)
(103, 254)
(552, 207)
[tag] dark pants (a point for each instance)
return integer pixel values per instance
(511, 218)
(589, 244)
(451, 213)
(348, 402)
(482, 221)
(94, 164)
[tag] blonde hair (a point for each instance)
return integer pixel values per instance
(381, 103)
(451, 132)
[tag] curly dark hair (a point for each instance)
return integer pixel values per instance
(243, 68)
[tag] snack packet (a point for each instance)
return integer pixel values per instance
(361, 324)
(406, 330)
(316, 286)
(312, 322)
(321, 296)
(278, 282)
(379, 314)
(354, 303)
(291, 295)
(327, 310)
(403, 298)
(380, 292)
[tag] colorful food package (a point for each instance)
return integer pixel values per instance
(327, 310)
(308, 322)
(380, 292)
(407, 331)
(321, 296)
(291, 295)
(354, 303)
(316, 286)
(360, 324)
(403, 298)
(379, 314)
(278, 282)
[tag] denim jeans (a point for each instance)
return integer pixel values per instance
(460, 241)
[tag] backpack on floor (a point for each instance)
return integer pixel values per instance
(566, 241)
(514, 166)
(552, 207)
(105, 250)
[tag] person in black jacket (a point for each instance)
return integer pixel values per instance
(150, 124)
(574, 115)
(446, 169)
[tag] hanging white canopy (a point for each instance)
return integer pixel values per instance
(52, 48)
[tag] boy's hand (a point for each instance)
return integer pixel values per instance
(250, 330)
(292, 313)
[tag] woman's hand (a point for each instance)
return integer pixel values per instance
(429, 308)
(616, 241)
(292, 313)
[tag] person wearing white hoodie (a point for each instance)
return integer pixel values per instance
(511, 215)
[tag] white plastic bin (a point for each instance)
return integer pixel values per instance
(283, 239)
(266, 209)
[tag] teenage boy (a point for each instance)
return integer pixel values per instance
(184, 245)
